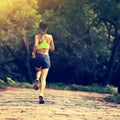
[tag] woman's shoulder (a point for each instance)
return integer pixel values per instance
(49, 36)
(37, 35)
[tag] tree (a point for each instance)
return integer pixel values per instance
(18, 25)
(44, 5)
(70, 26)
(107, 13)
(88, 33)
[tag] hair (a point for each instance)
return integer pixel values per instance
(43, 25)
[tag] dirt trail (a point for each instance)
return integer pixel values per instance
(22, 104)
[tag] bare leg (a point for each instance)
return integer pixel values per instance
(44, 73)
(38, 73)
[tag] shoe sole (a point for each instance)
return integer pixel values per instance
(41, 100)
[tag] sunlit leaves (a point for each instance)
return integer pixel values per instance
(17, 14)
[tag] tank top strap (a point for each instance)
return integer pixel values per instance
(44, 38)
(44, 43)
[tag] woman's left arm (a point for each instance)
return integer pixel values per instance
(35, 46)
(52, 47)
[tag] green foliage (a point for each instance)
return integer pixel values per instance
(1, 81)
(44, 5)
(108, 9)
(92, 88)
(82, 48)
(18, 25)
(114, 98)
(13, 83)
(84, 53)
(23, 85)
(21, 15)
(10, 81)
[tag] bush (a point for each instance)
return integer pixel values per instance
(10, 81)
(1, 82)
(115, 98)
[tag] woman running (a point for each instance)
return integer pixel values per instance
(40, 55)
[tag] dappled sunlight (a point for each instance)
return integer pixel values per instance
(7, 5)
(17, 14)
(4, 6)
(4, 2)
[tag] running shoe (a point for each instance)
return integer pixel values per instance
(35, 86)
(41, 100)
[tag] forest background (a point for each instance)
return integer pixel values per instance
(86, 35)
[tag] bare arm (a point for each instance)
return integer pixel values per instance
(35, 46)
(52, 47)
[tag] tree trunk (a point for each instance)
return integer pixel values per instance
(112, 59)
(27, 57)
(115, 48)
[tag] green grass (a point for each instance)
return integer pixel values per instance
(115, 98)
(13, 83)
(93, 88)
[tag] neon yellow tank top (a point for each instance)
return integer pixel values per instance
(44, 44)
